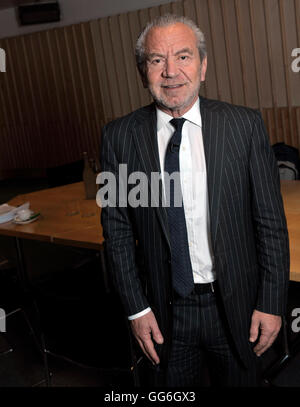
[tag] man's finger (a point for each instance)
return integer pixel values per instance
(145, 351)
(156, 334)
(264, 343)
(144, 329)
(149, 346)
(254, 329)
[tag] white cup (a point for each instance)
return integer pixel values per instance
(24, 214)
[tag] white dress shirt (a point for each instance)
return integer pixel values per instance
(193, 180)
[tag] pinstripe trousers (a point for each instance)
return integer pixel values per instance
(201, 338)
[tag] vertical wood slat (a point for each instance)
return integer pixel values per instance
(261, 57)
(110, 67)
(129, 66)
(80, 64)
(17, 147)
(177, 8)
(63, 72)
(298, 126)
(62, 85)
(297, 17)
(202, 19)
(233, 52)
(17, 111)
(119, 59)
(247, 53)
(290, 40)
(275, 52)
(100, 67)
(219, 44)
(135, 28)
(283, 124)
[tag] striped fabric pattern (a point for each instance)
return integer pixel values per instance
(248, 225)
(200, 335)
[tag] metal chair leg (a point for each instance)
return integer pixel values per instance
(23, 278)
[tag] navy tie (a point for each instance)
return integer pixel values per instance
(182, 274)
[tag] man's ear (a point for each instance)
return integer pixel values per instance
(144, 80)
(141, 70)
(203, 69)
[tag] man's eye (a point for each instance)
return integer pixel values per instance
(156, 61)
(183, 57)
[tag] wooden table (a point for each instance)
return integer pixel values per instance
(66, 217)
(291, 198)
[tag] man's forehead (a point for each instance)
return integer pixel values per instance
(177, 35)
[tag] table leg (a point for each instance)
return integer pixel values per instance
(21, 265)
(23, 277)
(104, 270)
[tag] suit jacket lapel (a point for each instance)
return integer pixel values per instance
(145, 140)
(213, 131)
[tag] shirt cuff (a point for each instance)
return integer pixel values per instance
(139, 314)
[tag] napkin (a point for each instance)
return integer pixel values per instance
(8, 212)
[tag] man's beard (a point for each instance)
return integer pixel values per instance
(163, 102)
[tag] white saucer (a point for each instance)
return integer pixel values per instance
(32, 218)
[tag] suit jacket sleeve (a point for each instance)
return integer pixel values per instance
(120, 242)
(270, 224)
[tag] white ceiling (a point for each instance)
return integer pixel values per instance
(15, 3)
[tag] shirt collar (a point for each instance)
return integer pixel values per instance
(193, 115)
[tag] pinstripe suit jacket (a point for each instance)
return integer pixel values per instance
(248, 226)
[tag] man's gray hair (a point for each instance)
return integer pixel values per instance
(163, 21)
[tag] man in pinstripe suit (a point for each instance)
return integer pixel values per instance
(236, 229)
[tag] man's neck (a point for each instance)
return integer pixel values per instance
(179, 112)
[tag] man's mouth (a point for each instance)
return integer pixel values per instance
(172, 86)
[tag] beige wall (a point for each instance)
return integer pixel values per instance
(61, 85)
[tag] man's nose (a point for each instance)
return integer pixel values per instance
(170, 68)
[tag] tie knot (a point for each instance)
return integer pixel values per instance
(177, 123)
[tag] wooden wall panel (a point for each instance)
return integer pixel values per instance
(62, 85)
(290, 41)
(283, 124)
(209, 87)
(219, 46)
(131, 76)
(275, 53)
(233, 52)
(261, 56)
(135, 27)
(101, 71)
(247, 53)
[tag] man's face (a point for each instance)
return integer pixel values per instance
(173, 68)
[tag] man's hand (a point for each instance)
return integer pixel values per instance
(144, 329)
(268, 325)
